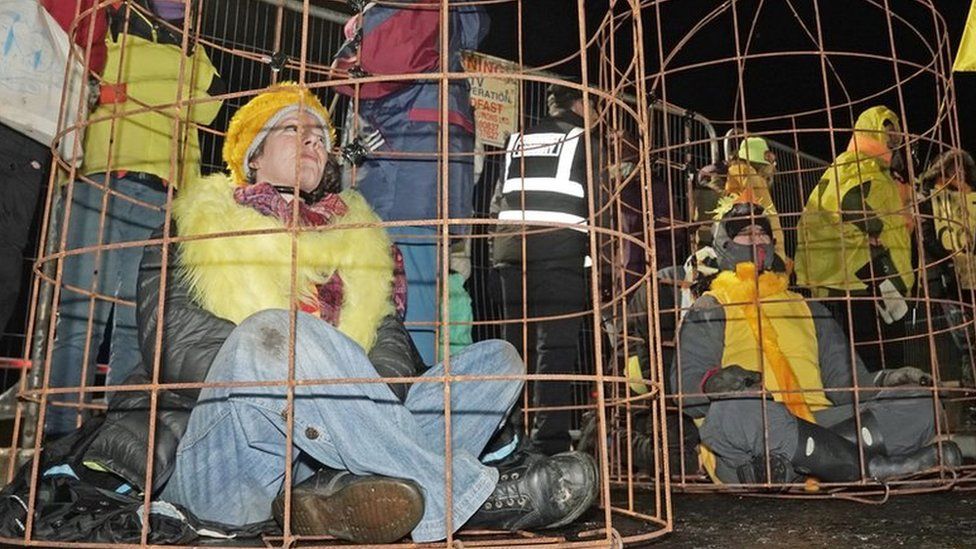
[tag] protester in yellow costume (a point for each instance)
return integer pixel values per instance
(749, 337)
(855, 238)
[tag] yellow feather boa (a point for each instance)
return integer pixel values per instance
(237, 276)
(741, 287)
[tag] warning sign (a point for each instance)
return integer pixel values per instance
(495, 99)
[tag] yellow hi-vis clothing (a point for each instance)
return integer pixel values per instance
(144, 142)
(788, 357)
(954, 214)
(966, 56)
(830, 251)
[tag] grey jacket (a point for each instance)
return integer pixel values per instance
(701, 342)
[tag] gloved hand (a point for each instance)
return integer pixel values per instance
(892, 306)
(908, 375)
(356, 151)
(733, 378)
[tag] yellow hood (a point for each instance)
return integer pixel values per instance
(870, 139)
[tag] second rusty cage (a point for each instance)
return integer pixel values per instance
(257, 43)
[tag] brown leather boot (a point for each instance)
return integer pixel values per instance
(367, 509)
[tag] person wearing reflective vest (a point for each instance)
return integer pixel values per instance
(545, 182)
(767, 376)
(855, 237)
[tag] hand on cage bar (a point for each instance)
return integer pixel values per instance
(908, 375)
(356, 151)
(730, 379)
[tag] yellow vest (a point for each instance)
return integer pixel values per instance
(144, 142)
(830, 251)
(788, 331)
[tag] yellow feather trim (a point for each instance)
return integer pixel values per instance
(234, 277)
(741, 288)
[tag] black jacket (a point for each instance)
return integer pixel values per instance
(191, 337)
(546, 246)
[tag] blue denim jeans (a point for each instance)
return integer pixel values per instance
(230, 463)
(114, 274)
(419, 248)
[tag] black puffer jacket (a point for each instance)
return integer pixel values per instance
(190, 340)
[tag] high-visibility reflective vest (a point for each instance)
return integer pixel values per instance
(544, 181)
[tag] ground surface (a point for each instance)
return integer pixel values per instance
(928, 521)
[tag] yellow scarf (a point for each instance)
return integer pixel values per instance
(741, 288)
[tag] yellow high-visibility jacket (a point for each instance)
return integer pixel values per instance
(830, 250)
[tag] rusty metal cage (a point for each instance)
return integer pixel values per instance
(252, 44)
(803, 91)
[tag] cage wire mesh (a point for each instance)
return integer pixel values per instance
(223, 53)
(795, 74)
(650, 135)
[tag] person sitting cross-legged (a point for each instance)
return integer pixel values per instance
(369, 458)
(748, 338)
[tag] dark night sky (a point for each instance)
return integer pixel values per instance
(776, 86)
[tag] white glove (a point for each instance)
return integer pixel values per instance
(892, 306)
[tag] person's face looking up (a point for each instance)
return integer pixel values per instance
(298, 139)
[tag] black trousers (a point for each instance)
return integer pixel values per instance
(552, 345)
(24, 165)
(868, 329)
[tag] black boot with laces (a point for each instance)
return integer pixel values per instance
(539, 492)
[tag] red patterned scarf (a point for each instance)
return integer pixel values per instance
(264, 198)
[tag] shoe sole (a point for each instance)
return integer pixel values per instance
(380, 511)
(593, 480)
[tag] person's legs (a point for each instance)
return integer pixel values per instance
(554, 291)
(419, 248)
(81, 272)
(734, 431)
(478, 408)
(906, 420)
(510, 279)
(24, 167)
(129, 222)
(359, 427)
(116, 271)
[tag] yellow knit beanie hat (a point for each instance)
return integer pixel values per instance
(252, 122)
